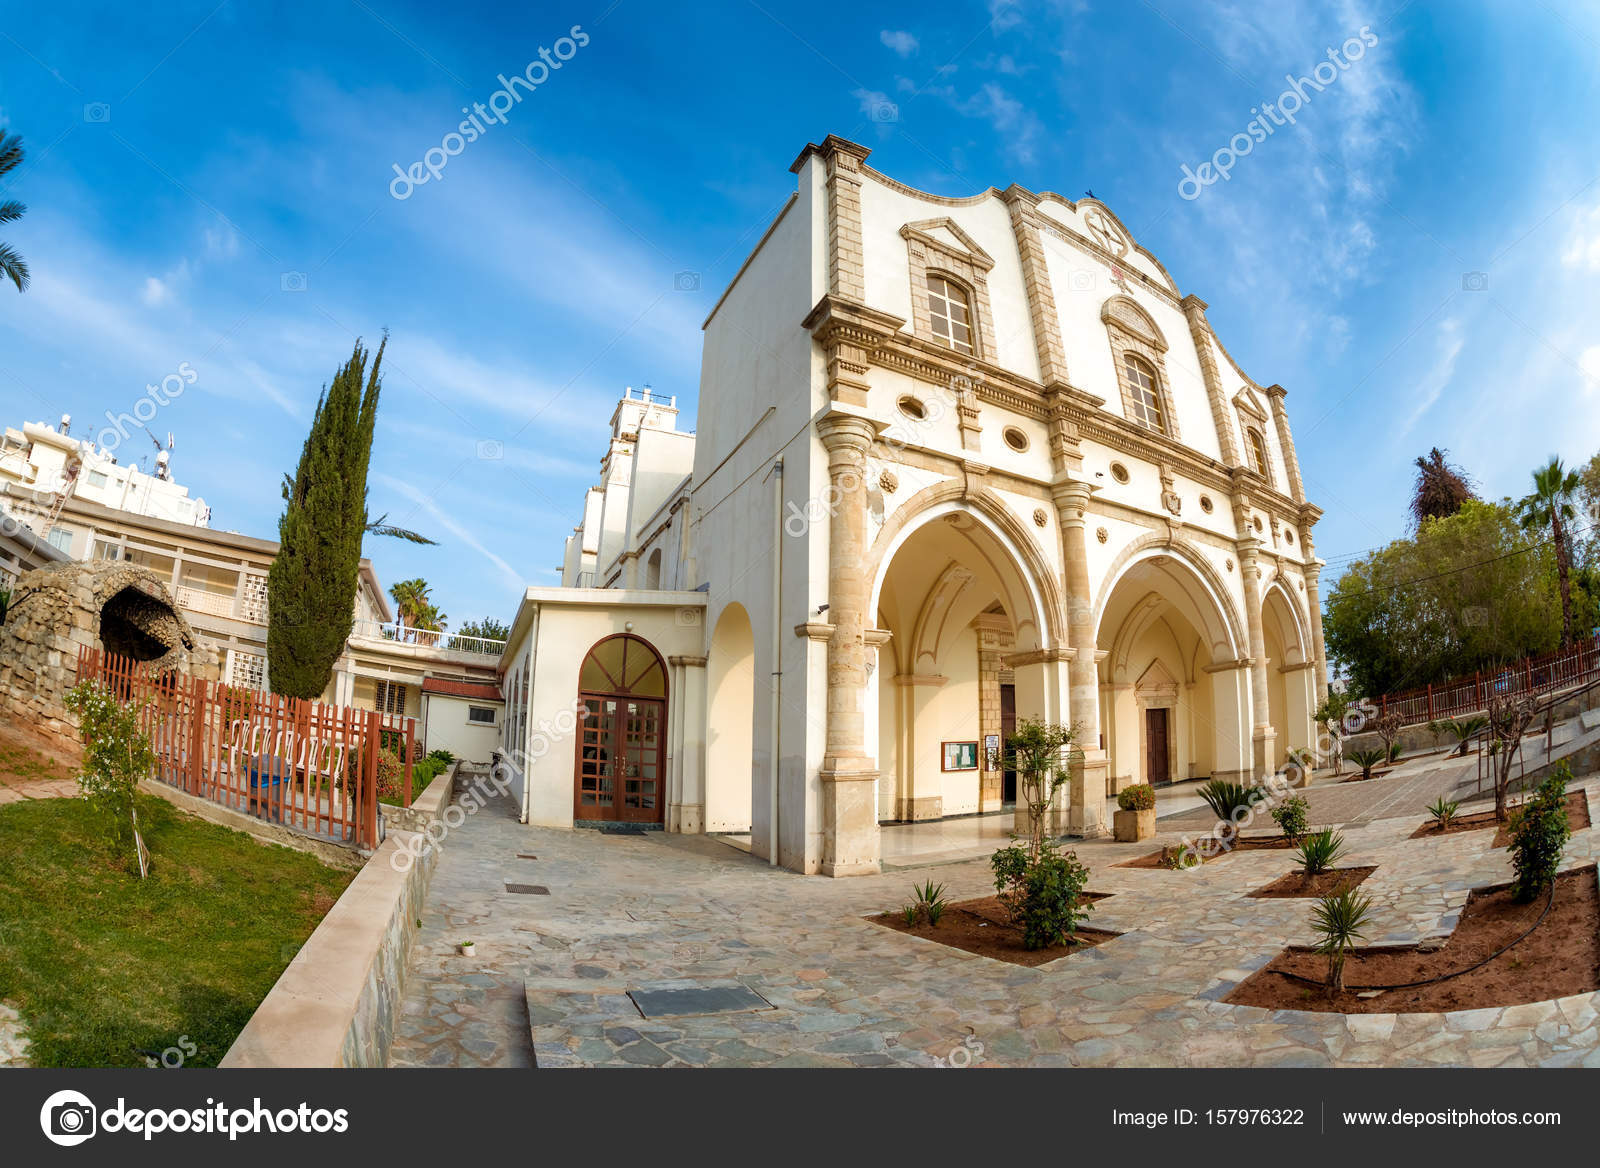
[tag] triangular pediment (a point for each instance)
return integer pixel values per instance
(1156, 677)
(945, 235)
(1246, 401)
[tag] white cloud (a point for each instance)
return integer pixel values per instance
(1004, 14)
(444, 519)
(903, 43)
(1583, 243)
(155, 292)
(1449, 342)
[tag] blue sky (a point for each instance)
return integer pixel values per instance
(210, 185)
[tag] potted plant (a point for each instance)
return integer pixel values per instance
(468, 948)
(1135, 819)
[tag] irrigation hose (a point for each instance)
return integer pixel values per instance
(1407, 985)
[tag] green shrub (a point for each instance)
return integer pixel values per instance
(1394, 752)
(443, 757)
(1338, 921)
(1539, 834)
(1229, 801)
(1443, 811)
(1043, 895)
(1139, 797)
(1290, 815)
(1367, 759)
(1320, 852)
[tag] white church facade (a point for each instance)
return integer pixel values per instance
(958, 463)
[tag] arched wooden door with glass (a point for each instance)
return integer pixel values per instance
(622, 763)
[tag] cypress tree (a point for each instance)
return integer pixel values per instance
(311, 589)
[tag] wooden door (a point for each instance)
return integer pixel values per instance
(1008, 727)
(1155, 748)
(621, 766)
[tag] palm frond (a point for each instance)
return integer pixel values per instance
(379, 527)
(11, 211)
(13, 267)
(10, 152)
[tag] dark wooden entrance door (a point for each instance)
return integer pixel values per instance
(622, 761)
(1008, 727)
(1155, 748)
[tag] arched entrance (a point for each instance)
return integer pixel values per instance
(731, 690)
(1291, 680)
(953, 601)
(1174, 686)
(621, 766)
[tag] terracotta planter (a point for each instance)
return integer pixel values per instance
(1132, 826)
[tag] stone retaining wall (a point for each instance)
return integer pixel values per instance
(336, 1004)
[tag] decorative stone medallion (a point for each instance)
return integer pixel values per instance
(1039, 517)
(1102, 534)
(888, 482)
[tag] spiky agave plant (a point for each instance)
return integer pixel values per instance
(1443, 811)
(1367, 759)
(1319, 852)
(1338, 921)
(1228, 800)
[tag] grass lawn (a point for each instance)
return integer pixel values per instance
(106, 968)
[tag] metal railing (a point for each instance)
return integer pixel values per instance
(1467, 695)
(427, 639)
(312, 767)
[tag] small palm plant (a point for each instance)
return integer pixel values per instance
(1230, 801)
(1394, 752)
(1367, 759)
(1338, 921)
(1443, 811)
(1319, 852)
(928, 903)
(1464, 729)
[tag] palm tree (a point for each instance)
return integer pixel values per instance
(1440, 490)
(1551, 504)
(410, 600)
(430, 623)
(12, 266)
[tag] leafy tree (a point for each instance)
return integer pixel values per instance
(1552, 505)
(1039, 753)
(312, 584)
(116, 756)
(488, 629)
(1464, 593)
(12, 266)
(1440, 491)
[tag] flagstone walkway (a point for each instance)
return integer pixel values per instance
(549, 983)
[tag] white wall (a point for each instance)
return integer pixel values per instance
(448, 727)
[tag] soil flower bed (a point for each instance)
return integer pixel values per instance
(981, 926)
(1293, 885)
(1560, 957)
(1577, 820)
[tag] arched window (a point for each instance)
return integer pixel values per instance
(623, 664)
(950, 313)
(1258, 452)
(652, 570)
(1144, 395)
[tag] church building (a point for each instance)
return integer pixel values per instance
(957, 463)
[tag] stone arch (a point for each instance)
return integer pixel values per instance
(1041, 584)
(1294, 630)
(1219, 620)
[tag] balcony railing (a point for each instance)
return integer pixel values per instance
(214, 603)
(453, 642)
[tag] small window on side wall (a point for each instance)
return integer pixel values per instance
(482, 714)
(1258, 452)
(950, 313)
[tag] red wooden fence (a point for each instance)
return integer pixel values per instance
(309, 766)
(1465, 695)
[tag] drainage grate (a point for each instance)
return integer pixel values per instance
(679, 1003)
(528, 889)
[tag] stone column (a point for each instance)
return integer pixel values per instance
(1313, 573)
(1036, 282)
(1263, 737)
(1087, 816)
(850, 844)
(1280, 418)
(686, 804)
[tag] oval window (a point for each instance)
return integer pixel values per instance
(1015, 438)
(1205, 504)
(1119, 472)
(912, 408)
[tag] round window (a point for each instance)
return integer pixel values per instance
(1015, 438)
(1206, 504)
(1119, 472)
(912, 408)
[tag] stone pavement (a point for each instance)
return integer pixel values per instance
(549, 982)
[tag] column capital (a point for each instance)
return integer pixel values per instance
(1193, 306)
(845, 433)
(833, 148)
(690, 662)
(1071, 497)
